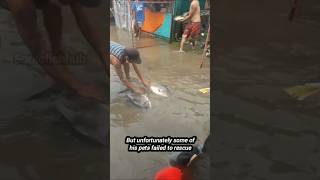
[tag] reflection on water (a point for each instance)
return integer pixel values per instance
(184, 113)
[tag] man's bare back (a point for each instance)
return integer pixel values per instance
(192, 30)
(196, 7)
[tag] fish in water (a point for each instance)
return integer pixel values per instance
(159, 90)
(139, 100)
(87, 117)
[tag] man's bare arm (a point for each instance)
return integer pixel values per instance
(126, 68)
(120, 74)
(133, 13)
(123, 79)
(25, 17)
(136, 69)
(52, 19)
(191, 11)
(90, 32)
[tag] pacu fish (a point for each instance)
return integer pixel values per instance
(159, 89)
(87, 117)
(140, 100)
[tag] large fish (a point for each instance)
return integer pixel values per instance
(86, 117)
(159, 89)
(139, 100)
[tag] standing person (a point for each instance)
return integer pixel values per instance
(121, 56)
(25, 15)
(192, 30)
(137, 9)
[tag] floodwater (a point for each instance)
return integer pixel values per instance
(260, 131)
(36, 141)
(186, 112)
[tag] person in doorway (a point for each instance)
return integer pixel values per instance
(121, 56)
(25, 15)
(192, 30)
(138, 17)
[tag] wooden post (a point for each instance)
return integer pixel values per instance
(131, 31)
(172, 21)
(205, 48)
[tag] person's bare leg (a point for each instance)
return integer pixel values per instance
(25, 17)
(195, 40)
(92, 34)
(193, 43)
(136, 30)
(139, 31)
(95, 38)
(52, 17)
(24, 14)
(183, 40)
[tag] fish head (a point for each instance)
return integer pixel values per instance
(140, 100)
(146, 102)
(160, 90)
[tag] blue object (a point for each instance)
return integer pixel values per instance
(165, 28)
(138, 7)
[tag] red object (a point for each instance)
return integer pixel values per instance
(169, 173)
(192, 29)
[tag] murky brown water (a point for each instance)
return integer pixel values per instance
(185, 113)
(260, 131)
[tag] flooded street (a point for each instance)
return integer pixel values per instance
(185, 112)
(260, 131)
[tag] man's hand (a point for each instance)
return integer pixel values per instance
(91, 91)
(139, 91)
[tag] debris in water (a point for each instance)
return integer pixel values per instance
(301, 92)
(204, 90)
